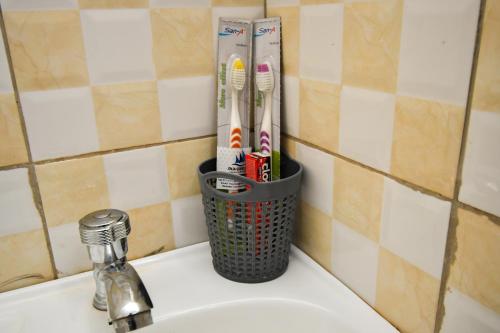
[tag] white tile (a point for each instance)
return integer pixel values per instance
(19, 213)
(282, 3)
(189, 221)
(250, 13)
(187, 107)
(355, 261)
(5, 80)
(464, 315)
(481, 171)
(317, 181)
(60, 122)
(38, 4)
(290, 111)
(414, 226)
(70, 255)
(366, 124)
(179, 3)
(118, 44)
(437, 46)
(137, 178)
(321, 42)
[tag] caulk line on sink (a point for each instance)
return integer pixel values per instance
(22, 277)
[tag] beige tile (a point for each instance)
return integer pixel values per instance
(486, 87)
(127, 114)
(319, 113)
(12, 145)
(183, 159)
(406, 296)
(47, 49)
(113, 3)
(242, 3)
(371, 44)
(290, 37)
(151, 230)
(313, 234)
(24, 259)
(357, 198)
(476, 269)
(289, 146)
(182, 42)
(426, 143)
(71, 189)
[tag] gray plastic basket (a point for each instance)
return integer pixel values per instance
(250, 232)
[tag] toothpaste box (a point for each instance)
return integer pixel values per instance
(258, 167)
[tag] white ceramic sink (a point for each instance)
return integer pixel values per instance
(188, 296)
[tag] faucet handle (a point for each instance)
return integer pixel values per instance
(104, 227)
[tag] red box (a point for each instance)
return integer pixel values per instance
(258, 167)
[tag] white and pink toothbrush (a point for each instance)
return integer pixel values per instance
(265, 83)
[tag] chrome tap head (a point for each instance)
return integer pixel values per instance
(104, 227)
(105, 234)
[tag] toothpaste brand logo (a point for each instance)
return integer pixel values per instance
(263, 31)
(228, 31)
(239, 160)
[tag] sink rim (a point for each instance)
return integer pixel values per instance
(340, 301)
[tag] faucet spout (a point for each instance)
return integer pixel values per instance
(119, 289)
(128, 302)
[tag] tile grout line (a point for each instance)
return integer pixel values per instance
(15, 166)
(104, 152)
(451, 239)
(372, 169)
(119, 150)
(35, 190)
(492, 217)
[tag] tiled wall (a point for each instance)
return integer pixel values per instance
(117, 101)
(399, 201)
(376, 107)
(472, 299)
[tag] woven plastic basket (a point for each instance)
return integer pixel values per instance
(250, 232)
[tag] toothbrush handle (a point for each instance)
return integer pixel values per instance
(266, 135)
(235, 129)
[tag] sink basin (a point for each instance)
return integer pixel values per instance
(189, 296)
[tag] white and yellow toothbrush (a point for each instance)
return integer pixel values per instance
(238, 77)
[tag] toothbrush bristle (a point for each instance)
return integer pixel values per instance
(264, 78)
(238, 64)
(262, 68)
(238, 75)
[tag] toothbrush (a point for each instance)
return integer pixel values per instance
(265, 83)
(237, 83)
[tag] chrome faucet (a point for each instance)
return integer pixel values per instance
(119, 289)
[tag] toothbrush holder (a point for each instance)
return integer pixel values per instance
(250, 232)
